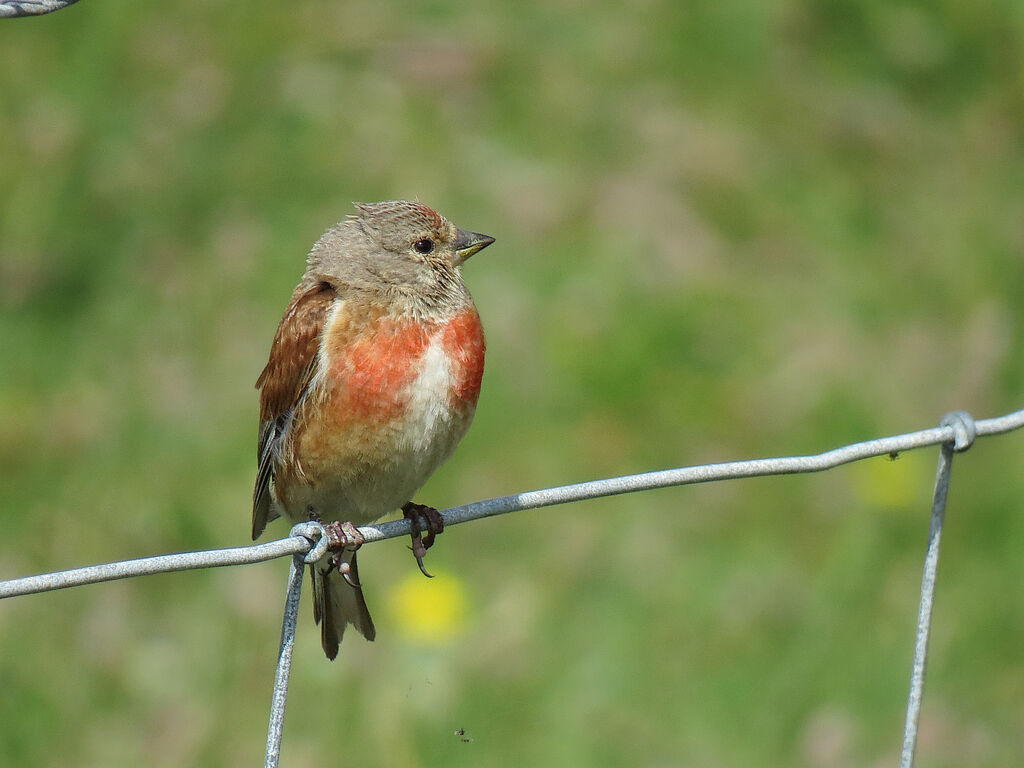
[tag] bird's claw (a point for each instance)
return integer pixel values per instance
(434, 525)
(419, 562)
(341, 537)
(345, 569)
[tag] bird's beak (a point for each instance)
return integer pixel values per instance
(467, 243)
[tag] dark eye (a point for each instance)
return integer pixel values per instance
(424, 246)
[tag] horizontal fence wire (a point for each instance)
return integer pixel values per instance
(146, 566)
(299, 544)
(308, 541)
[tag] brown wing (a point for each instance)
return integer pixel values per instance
(284, 383)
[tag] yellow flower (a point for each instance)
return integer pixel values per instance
(428, 610)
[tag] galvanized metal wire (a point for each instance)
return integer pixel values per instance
(11, 8)
(284, 660)
(964, 434)
(145, 566)
(308, 542)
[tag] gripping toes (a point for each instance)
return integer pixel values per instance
(433, 524)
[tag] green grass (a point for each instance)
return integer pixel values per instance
(725, 230)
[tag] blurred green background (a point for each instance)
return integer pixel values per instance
(725, 230)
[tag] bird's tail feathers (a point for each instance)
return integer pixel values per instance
(336, 604)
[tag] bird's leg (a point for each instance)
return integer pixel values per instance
(341, 537)
(434, 525)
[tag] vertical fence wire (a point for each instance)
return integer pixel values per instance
(964, 432)
(318, 540)
(284, 661)
(924, 611)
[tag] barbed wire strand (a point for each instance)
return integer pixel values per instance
(14, 8)
(307, 542)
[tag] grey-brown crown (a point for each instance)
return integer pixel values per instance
(401, 249)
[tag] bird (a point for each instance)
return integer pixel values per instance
(373, 378)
